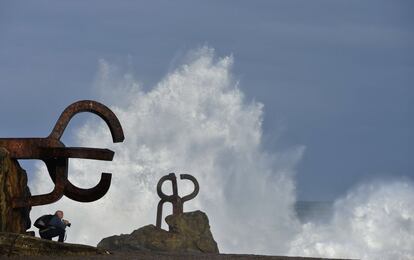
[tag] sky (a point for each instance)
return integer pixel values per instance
(334, 76)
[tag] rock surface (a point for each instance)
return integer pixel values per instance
(13, 184)
(12, 244)
(168, 256)
(188, 233)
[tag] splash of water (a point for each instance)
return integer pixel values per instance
(373, 221)
(197, 121)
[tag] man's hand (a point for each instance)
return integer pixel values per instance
(66, 222)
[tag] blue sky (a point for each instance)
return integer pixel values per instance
(334, 76)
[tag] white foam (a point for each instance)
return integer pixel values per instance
(197, 121)
(373, 221)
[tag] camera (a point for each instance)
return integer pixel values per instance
(68, 224)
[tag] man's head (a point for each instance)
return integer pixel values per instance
(59, 214)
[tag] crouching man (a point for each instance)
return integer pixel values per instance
(55, 227)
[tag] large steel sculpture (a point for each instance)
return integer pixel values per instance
(56, 156)
(176, 201)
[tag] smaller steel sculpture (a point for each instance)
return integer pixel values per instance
(176, 201)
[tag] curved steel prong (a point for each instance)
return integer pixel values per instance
(196, 187)
(97, 192)
(173, 198)
(73, 192)
(91, 194)
(93, 107)
(85, 195)
(171, 177)
(59, 168)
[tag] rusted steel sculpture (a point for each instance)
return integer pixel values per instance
(56, 156)
(176, 201)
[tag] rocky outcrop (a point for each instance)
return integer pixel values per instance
(188, 233)
(12, 244)
(13, 184)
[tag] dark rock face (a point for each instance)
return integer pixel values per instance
(12, 244)
(188, 232)
(13, 184)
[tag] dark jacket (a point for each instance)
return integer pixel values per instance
(57, 223)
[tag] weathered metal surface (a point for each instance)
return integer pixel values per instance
(176, 201)
(56, 156)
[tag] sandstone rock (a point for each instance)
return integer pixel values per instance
(13, 183)
(12, 244)
(188, 232)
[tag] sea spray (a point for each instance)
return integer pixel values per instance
(373, 221)
(195, 120)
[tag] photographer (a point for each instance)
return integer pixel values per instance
(55, 227)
